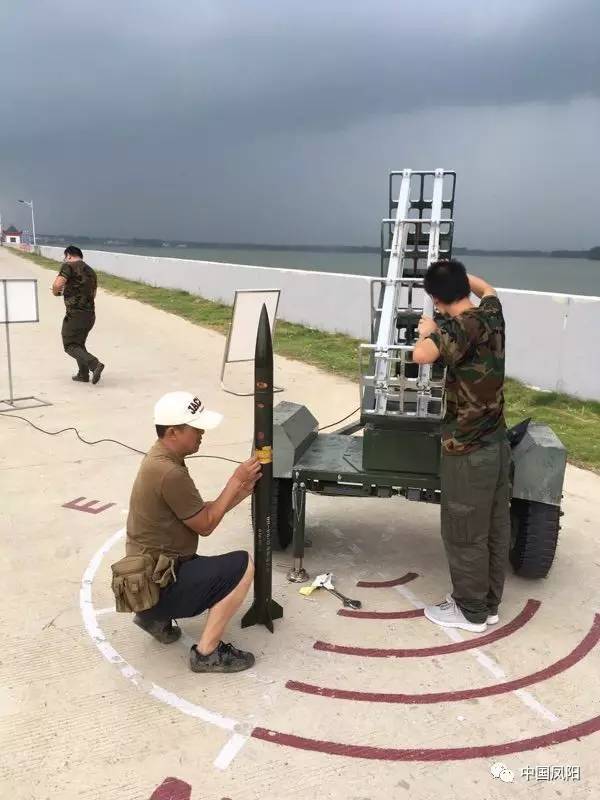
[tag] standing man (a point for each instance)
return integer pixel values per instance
(475, 451)
(167, 516)
(77, 282)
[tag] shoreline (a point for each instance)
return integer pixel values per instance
(591, 254)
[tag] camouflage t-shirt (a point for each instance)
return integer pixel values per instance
(472, 347)
(80, 288)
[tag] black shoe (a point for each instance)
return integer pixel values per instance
(224, 658)
(82, 377)
(163, 632)
(97, 372)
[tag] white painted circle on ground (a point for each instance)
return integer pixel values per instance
(90, 621)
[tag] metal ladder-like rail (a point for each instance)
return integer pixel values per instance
(413, 239)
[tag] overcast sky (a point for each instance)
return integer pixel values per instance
(278, 121)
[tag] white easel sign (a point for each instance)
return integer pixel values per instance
(241, 339)
(19, 300)
(18, 303)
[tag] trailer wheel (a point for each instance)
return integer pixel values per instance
(534, 536)
(281, 513)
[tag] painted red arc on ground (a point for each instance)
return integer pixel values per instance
(583, 648)
(412, 614)
(410, 576)
(172, 789)
(425, 754)
(374, 652)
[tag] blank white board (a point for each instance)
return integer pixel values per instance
(18, 297)
(244, 322)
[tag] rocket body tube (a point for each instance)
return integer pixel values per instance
(264, 609)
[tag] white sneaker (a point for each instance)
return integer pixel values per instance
(493, 619)
(448, 615)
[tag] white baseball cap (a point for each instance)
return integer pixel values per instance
(184, 408)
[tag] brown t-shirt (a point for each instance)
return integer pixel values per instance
(163, 495)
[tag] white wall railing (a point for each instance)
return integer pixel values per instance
(552, 340)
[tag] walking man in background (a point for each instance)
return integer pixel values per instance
(475, 451)
(77, 282)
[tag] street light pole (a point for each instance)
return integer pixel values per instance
(30, 204)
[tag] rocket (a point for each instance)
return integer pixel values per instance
(264, 609)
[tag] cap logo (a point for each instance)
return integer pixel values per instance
(195, 405)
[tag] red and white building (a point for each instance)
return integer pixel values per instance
(12, 235)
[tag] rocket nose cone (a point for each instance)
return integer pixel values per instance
(263, 355)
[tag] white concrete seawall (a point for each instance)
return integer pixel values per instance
(553, 340)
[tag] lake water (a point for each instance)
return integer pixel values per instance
(569, 275)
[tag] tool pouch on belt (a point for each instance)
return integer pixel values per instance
(164, 571)
(133, 585)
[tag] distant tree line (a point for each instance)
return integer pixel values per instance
(593, 253)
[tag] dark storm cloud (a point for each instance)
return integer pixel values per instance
(166, 111)
(275, 64)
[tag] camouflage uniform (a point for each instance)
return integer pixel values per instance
(79, 294)
(475, 458)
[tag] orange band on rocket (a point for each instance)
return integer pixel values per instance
(264, 455)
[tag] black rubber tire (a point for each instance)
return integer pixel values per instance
(535, 528)
(281, 513)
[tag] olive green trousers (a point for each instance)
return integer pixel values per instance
(475, 518)
(75, 329)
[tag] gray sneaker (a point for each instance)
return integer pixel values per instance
(224, 658)
(163, 631)
(492, 619)
(448, 615)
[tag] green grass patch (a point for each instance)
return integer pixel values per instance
(576, 422)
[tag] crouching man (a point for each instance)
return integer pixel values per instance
(162, 578)
(475, 451)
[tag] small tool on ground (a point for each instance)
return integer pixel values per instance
(325, 581)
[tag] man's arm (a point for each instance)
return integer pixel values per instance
(481, 288)
(426, 351)
(237, 488)
(244, 492)
(58, 285)
(205, 521)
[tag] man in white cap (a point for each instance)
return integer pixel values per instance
(166, 517)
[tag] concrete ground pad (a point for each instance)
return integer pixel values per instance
(91, 707)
